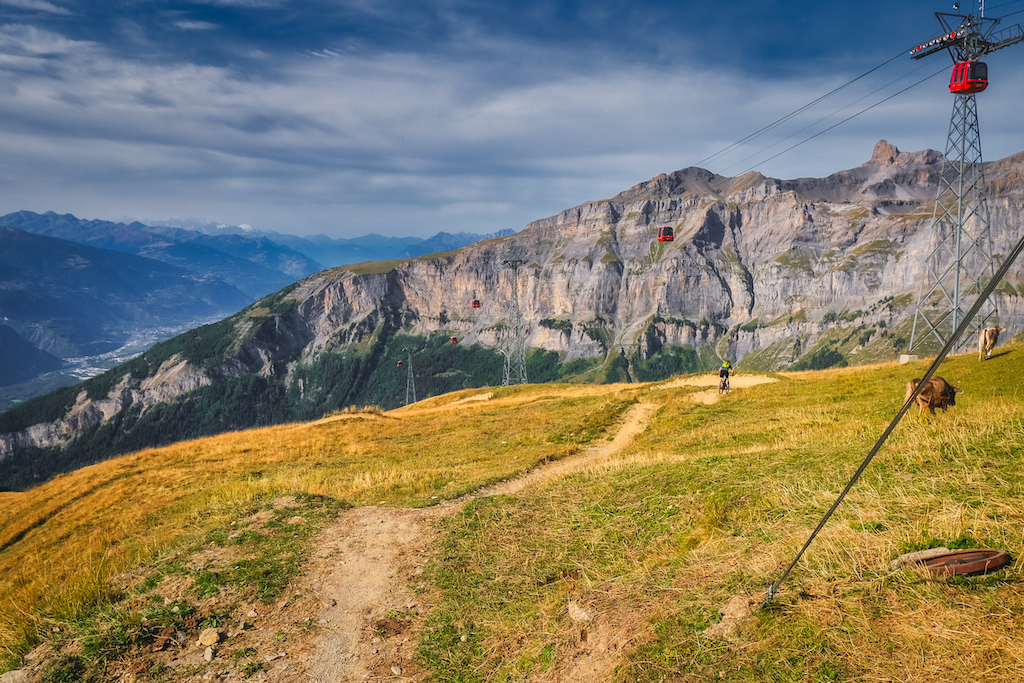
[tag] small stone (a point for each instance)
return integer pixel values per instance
(252, 614)
(16, 676)
(463, 639)
(210, 636)
(910, 559)
(208, 655)
(397, 670)
(330, 602)
(577, 613)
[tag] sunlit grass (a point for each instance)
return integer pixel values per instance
(61, 542)
(714, 501)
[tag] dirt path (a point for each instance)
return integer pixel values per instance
(360, 587)
(712, 395)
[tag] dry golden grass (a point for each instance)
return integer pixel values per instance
(60, 542)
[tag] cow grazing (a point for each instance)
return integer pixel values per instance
(938, 393)
(987, 339)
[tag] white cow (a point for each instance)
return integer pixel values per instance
(987, 339)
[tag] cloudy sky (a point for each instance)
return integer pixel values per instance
(409, 117)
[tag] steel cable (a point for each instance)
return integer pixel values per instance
(986, 292)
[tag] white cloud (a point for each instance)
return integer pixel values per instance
(341, 143)
(36, 5)
(195, 25)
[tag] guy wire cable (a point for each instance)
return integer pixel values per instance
(852, 116)
(728, 179)
(814, 123)
(989, 288)
(797, 111)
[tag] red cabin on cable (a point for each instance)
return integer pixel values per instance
(400, 363)
(454, 340)
(968, 78)
(476, 303)
(665, 234)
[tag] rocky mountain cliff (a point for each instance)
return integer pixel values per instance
(761, 270)
(770, 273)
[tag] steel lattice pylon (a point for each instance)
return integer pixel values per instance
(960, 259)
(410, 381)
(513, 346)
(961, 256)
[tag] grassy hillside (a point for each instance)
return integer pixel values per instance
(709, 503)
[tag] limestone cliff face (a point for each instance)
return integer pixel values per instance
(755, 261)
(760, 268)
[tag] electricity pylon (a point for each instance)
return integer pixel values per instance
(514, 345)
(961, 256)
(410, 380)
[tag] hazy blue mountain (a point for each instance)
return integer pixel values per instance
(257, 267)
(20, 360)
(72, 299)
(334, 251)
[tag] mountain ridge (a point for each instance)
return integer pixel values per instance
(773, 274)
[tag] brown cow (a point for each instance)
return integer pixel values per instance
(988, 337)
(938, 393)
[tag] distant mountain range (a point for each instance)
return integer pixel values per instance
(332, 251)
(69, 299)
(71, 287)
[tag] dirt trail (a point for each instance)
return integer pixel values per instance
(362, 582)
(712, 395)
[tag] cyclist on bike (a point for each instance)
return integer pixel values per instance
(723, 375)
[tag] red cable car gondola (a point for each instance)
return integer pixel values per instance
(476, 303)
(968, 78)
(665, 234)
(400, 363)
(455, 340)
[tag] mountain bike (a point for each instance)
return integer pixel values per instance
(723, 385)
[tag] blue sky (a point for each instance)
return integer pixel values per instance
(346, 117)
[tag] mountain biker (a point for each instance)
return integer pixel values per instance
(723, 375)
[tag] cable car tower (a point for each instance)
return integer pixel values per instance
(514, 345)
(410, 379)
(961, 257)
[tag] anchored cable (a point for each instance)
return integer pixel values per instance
(827, 116)
(852, 116)
(986, 292)
(795, 112)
